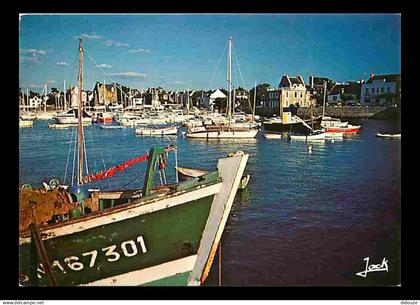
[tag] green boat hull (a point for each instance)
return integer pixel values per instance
(126, 252)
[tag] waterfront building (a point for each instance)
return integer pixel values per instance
(104, 94)
(210, 99)
(346, 93)
(292, 90)
(381, 90)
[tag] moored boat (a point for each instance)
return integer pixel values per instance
(71, 117)
(349, 129)
(389, 136)
(334, 135)
(25, 123)
(315, 136)
(156, 130)
(162, 235)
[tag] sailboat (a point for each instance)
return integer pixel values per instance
(157, 235)
(335, 125)
(225, 131)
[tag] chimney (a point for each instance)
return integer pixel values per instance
(311, 81)
(372, 75)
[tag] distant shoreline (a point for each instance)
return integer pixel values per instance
(348, 112)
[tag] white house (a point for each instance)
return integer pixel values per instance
(74, 99)
(208, 101)
(381, 90)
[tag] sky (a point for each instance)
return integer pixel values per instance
(189, 51)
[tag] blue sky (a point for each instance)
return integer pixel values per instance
(184, 51)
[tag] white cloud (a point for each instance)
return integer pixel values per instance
(212, 60)
(116, 43)
(129, 74)
(166, 57)
(90, 36)
(34, 52)
(177, 82)
(62, 63)
(139, 51)
(50, 81)
(35, 86)
(103, 66)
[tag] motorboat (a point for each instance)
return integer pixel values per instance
(71, 117)
(156, 130)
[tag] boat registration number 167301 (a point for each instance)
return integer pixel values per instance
(112, 253)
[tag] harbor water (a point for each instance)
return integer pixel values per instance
(307, 218)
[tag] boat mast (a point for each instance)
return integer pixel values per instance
(80, 115)
(230, 77)
(27, 99)
(325, 92)
(65, 102)
(188, 102)
(255, 96)
(45, 97)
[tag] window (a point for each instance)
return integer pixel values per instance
(301, 94)
(287, 94)
(382, 89)
(377, 90)
(295, 94)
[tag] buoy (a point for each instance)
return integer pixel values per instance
(332, 140)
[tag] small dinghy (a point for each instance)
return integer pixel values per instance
(389, 136)
(334, 135)
(316, 136)
(25, 123)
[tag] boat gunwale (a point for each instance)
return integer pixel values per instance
(142, 201)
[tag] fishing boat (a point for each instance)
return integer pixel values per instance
(315, 136)
(389, 136)
(25, 123)
(224, 129)
(157, 235)
(156, 130)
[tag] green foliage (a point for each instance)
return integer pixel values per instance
(220, 103)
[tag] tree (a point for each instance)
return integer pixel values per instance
(262, 93)
(220, 103)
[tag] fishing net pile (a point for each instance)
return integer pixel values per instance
(39, 206)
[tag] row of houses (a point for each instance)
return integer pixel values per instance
(378, 90)
(292, 90)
